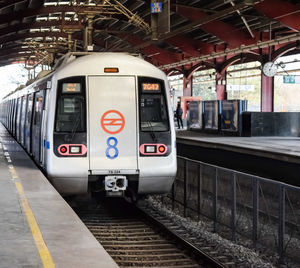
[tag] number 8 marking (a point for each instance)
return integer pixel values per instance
(112, 146)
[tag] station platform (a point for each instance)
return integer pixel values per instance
(37, 227)
(271, 157)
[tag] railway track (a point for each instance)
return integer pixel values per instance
(135, 238)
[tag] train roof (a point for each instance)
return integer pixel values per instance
(93, 63)
(74, 64)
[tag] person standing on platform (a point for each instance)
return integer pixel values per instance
(179, 113)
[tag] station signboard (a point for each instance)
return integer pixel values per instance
(291, 79)
(156, 7)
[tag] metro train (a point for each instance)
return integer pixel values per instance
(98, 122)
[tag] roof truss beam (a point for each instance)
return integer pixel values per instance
(285, 12)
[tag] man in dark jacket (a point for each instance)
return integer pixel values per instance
(179, 113)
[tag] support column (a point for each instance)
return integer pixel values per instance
(221, 92)
(69, 41)
(187, 86)
(221, 87)
(88, 34)
(267, 93)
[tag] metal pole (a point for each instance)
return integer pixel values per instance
(85, 38)
(69, 41)
(215, 199)
(185, 180)
(244, 20)
(199, 189)
(233, 207)
(281, 224)
(254, 211)
(88, 33)
(173, 194)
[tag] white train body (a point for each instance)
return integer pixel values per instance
(101, 121)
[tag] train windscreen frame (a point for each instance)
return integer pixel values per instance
(153, 112)
(71, 106)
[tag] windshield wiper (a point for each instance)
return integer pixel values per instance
(75, 127)
(69, 137)
(152, 133)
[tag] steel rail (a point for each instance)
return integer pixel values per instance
(114, 227)
(198, 253)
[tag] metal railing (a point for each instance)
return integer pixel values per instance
(265, 211)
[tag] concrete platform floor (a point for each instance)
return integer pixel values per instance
(280, 148)
(275, 158)
(37, 226)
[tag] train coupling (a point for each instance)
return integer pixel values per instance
(115, 185)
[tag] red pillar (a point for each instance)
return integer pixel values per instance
(221, 92)
(221, 87)
(188, 86)
(267, 93)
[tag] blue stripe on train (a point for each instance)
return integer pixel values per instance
(47, 144)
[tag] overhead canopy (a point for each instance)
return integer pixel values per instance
(34, 31)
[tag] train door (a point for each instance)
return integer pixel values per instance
(43, 128)
(10, 115)
(7, 113)
(5, 105)
(4, 119)
(112, 124)
(22, 123)
(28, 120)
(15, 117)
(12, 105)
(18, 118)
(37, 125)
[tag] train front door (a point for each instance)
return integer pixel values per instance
(112, 118)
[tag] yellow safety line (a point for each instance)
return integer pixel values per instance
(35, 230)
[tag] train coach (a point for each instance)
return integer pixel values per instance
(99, 122)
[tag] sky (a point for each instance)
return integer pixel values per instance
(12, 76)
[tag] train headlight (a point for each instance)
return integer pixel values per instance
(162, 149)
(75, 149)
(63, 149)
(150, 149)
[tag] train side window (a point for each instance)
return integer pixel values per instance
(152, 105)
(38, 109)
(28, 120)
(24, 108)
(5, 111)
(12, 115)
(36, 140)
(29, 109)
(15, 116)
(23, 114)
(70, 107)
(9, 114)
(19, 118)
(19, 103)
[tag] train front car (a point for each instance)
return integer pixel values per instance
(113, 129)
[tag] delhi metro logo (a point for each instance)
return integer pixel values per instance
(112, 122)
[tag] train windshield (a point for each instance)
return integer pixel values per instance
(152, 106)
(70, 110)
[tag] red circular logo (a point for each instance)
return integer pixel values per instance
(112, 122)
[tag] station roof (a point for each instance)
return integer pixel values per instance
(35, 31)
